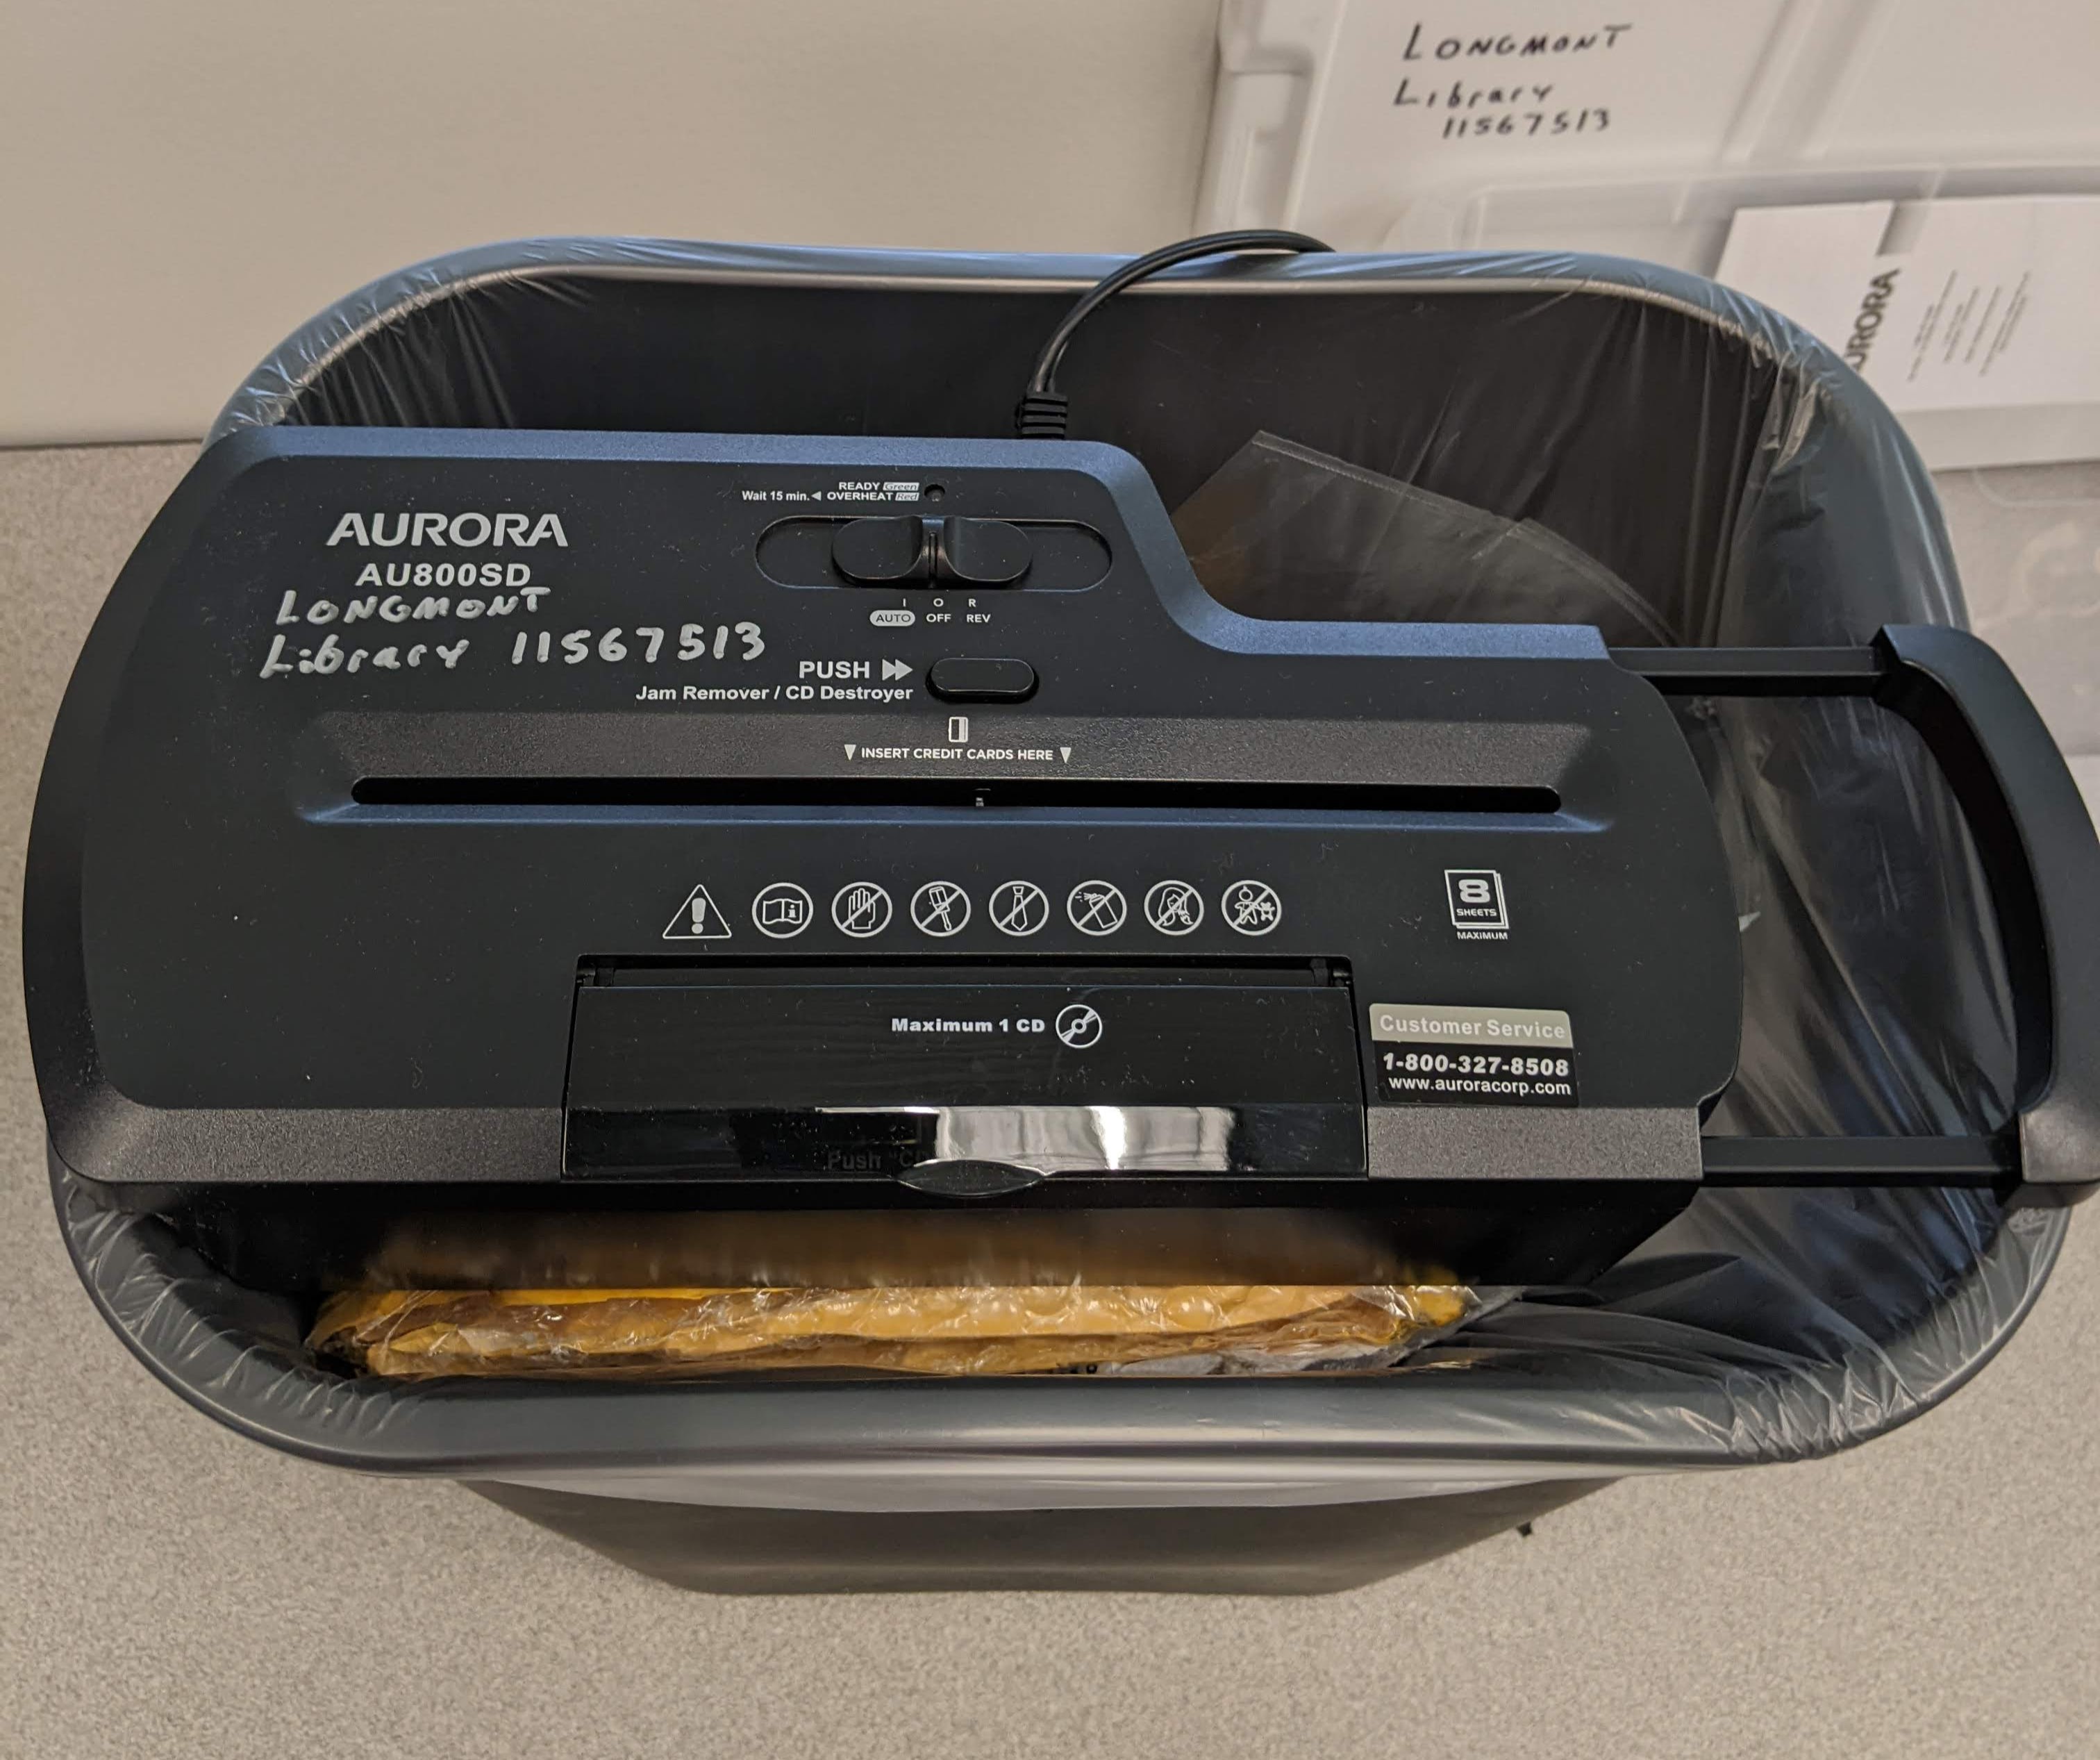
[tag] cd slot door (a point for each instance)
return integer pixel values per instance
(804, 1073)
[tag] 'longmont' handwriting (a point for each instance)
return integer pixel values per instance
(1507, 43)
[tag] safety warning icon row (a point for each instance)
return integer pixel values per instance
(1019, 908)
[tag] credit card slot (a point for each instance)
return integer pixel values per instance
(874, 796)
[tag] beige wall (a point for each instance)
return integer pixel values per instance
(180, 185)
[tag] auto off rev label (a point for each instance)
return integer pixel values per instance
(1467, 1056)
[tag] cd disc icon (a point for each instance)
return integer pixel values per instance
(1079, 1026)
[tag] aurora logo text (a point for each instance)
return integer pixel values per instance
(1864, 327)
(466, 532)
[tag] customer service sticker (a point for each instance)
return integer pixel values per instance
(1437, 1056)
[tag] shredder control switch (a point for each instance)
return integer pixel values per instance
(883, 552)
(897, 551)
(982, 553)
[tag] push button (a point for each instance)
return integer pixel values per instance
(982, 553)
(959, 679)
(880, 552)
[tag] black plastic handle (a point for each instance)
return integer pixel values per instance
(2040, 859)
(2040, 854)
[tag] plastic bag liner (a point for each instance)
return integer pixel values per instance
(1284, 532)
(1746, 489)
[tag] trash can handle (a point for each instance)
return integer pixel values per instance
(2041, 859)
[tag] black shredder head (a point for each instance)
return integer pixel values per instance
(456, 846)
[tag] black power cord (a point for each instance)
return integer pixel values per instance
(1042, 409)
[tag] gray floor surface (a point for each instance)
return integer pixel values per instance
(168, 1589)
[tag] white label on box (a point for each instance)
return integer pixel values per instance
(1417, 95)
(1972, 304)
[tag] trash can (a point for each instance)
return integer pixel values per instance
(1747, 489)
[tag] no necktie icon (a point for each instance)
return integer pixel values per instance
(1019, 907)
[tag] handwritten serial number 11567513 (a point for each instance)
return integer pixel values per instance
(1521, 123)
(696, 642)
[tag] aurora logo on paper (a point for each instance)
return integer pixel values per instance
(1872, 309)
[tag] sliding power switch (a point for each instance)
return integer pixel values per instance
(882, 552)
(960, 679)
(983, 552)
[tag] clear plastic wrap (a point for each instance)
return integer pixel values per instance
(2039, 535)
(1742, 486)
(959, 1329)
(1282, 531)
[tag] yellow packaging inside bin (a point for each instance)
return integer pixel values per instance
(945, 1330)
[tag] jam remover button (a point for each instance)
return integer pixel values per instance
(960, 679)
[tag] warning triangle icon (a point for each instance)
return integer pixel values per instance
(698, 918)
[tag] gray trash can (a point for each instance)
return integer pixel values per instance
(1726, 467)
